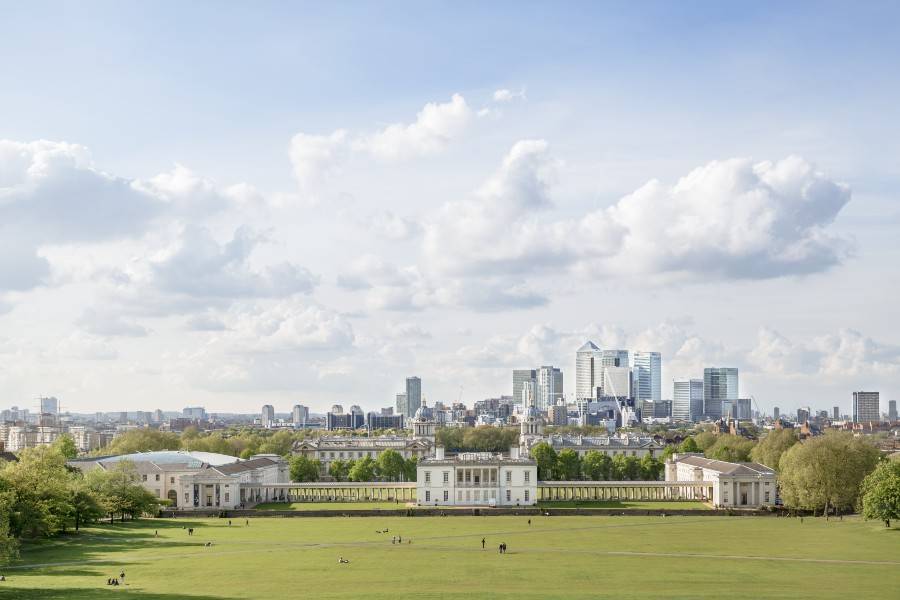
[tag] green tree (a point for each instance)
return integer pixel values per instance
(9, 546)
(304, 469)
(826, 472)
(545, 456)
(668, 451)
(769, 449)
(704, 440)
(390, 465)
(65, 445)
(881, 493)
(730, 448)
(142, 440)
(339, 470)
(689, 445)
(363, 469)
(651, 468)
(39, 505)
(410, 468)
(451, 438)
(568, 465)
(85, 506)
(596, 466)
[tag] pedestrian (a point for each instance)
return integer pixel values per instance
(399, 539)
(155, 533)
(247, 523)
(500, 548)
(122, 576)
(529, 522)
(482, 543)
(394, 540)
(229, 522)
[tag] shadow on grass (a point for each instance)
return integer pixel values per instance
(102, 591)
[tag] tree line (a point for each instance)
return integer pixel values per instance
(568, 465)
(41, 496)
(389, 466)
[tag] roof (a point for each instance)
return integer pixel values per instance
(601, 441)
(588, 346)
(171, 457)
(727, 468)
(244, 465)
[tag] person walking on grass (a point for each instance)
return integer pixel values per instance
(122, 576)
(482, 543)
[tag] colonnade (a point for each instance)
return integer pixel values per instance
(624, 490)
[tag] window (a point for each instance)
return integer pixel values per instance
(527, 477)
(767, 497)
(526, 495)
(446, 476)
(157, 494)
(226, 496)
(509, 477)
(171, 480)
(143, 478)
(508, 495)
(446, 495)
(187, 497)
(459, 496)
(427, 496)
(477, 495)
(157, 476)
(427, 476)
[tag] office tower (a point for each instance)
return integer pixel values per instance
(892, 410)
(337, 409)
(50, 406)
(617, 382)
(741, 409)
(300, 414)
(529, 395)
(720, 384)
(413, 396)
(776, 413)
(615, 358)
(647, 377)
(157, 416)
(521, 376)
(123, 417)
(194, 412)
(803, 415)
(866, 407)
(267, 418)
(687, 400)
(401, 406)
(588, 371)
(836, 413)
(549, 387)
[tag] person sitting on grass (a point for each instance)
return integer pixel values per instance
(343, 561)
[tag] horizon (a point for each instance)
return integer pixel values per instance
(285, 205)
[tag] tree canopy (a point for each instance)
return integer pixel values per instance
(881, 493)
(770, 448)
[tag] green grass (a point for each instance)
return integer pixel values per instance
(330, 506)
(699, 557)
(627, 504)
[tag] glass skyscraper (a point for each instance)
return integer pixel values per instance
(720, 385)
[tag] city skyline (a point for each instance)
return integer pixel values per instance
(183, 227)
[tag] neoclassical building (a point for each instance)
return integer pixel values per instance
(728, 485)
(476, 479)
(611, 445)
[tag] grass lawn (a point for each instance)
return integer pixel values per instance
(330, 506)
(626, 504)
(554, 557)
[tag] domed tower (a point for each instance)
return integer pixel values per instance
(423, 423)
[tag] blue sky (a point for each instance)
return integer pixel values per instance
(446, 246)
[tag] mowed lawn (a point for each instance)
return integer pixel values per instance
(338, 506)
(555, 557)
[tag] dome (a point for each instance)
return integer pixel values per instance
(423, 413)
(193, 459)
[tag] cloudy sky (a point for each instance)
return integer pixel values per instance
(226, 205)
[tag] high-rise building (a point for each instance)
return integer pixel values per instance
(720, 384)
(776, 413)
(803, 415)
(742, 409)
(267, 418)
(157, 416)
(300, 414)
(836, 413)
(892, 410)
(557, 415)
(647, 377)
(401, 405)
(549, 387)
(520, 377)
(687, 399)
(194, 412)
(617, 382)
(615, 358)
(50, 406)
(529, 395)
(413, 396)
(588, 371)
(866, 407)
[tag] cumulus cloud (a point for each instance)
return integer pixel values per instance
(110, 325)
(315, 157)
(387, 225)
(847, 353)
(505, 95)
(731, 219)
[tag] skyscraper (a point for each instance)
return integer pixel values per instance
(836, 413)
(892, 410)
(776, 414)
(267, 417)
(300, 414)
(687, 399)
(401, 407)
(521, 376)
(720, 384)
(588, 371)
(866, 407)
(615, 358)
(413, 396)
(617, 382)
(647, 377)
(50, 405)
(549, 387)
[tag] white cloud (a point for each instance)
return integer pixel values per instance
(435, 126)
(315, 157)
(504, 95)
(110, 324)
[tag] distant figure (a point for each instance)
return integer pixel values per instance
(115, 582)
(399, 539)
(529, 522)
(377, 531)
(409, 541)
(343, 561)
(2, 577)
(229, 522)
(482, 543)
(190, 531)
(109, 581)
(500, 548)
(394, 540)
(122, 576)
(155, 533)
(248, 522)
(503, 545)
(208, 544)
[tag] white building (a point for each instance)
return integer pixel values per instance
(687, 400)
(647, 377)
(588, 372)
(549, 387)
(267, 418)
(326, 450)
(476, 479)
(731, 485)
(610, 445)
(617, 382)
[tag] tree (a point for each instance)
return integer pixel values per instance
(881, 493)
(363, 469)
(9, 546)
(545, 456)
(410, 468)
(304, 469)
(596, 466)
(65, 445)
(689, 445)
(668, 451)
(451, 438)
(84, 503)
(339, 470)
(826, 472)
(769, 449)
(39, 503)
(730, 448)
(390, 465)
(119, 491)
(704, 440)
(568, 465)
(142, 440)
(651, 468)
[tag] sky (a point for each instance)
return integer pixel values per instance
(236, 204)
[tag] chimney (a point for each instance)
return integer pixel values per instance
(513, 452)
(439, 452)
